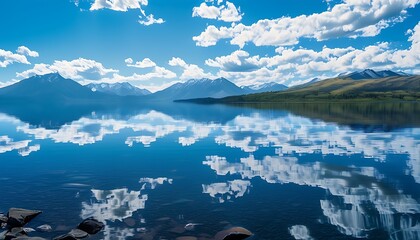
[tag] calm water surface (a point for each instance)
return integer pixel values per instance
(340, 172)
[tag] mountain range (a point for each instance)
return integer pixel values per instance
(49, 88)
(371, 74)
(397, 86)
(266, 87)
(54, 88)
(196, 88)
(217, 88)
(119, 89)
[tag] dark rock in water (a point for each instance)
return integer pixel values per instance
(186, 238)
(14, 233)
(77, 233)
(91, 226)
(177, 229)
(73, 235)
(3, 218)
(44, 228)
(29, 238)
(18, 217)
(131, 222)
(235, 233)
(65, 237)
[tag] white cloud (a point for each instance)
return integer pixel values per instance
(145, 63)
(226, 12)
(156, 72)
(79, 69)
(124, 6)
(150, 20)
(190, 71)
(26, 51)
(87, 71)
(8, 57)
(8, 83)
(238, 61)
(118, 5)
(292, 66)
(351, 18)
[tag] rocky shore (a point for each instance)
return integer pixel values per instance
(12, 227)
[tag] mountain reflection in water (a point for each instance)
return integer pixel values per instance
(364, 158)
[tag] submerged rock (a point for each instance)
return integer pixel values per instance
(29, 238)
(3, 218)
(91, 226)
(44, 228)
(28, 230)
(191, 226)
(18, 217)
(14, 233)
(65, 237)
(73, 235)
(186, 238)
(77, 233)
(131, 222)
(235, 233)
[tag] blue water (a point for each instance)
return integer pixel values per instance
(146, 172)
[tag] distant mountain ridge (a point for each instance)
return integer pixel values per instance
(401, 88)
(217, 88)
(265, 87)
(371, 74)
(195, 88)
(119, 89)
(49, 88)
(54, 88)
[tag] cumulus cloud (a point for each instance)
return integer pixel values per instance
(156, 72)
(226, 12)
(145, 63)
(26, 51)
(238, 61)
(123, 6)
(87, 71)
(150, 20)
(293, 66)
(190, 71)
(78, 69)
(350, 18)
(118, 5)
(8, 57)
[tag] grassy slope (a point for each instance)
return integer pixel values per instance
(402, 88)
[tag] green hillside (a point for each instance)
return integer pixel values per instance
(336, 89)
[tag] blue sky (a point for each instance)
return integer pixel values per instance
(153, 44)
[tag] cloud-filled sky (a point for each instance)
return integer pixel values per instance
(155, 43)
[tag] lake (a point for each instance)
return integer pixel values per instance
(331, 171)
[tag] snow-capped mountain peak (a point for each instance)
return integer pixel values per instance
(120, 89)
